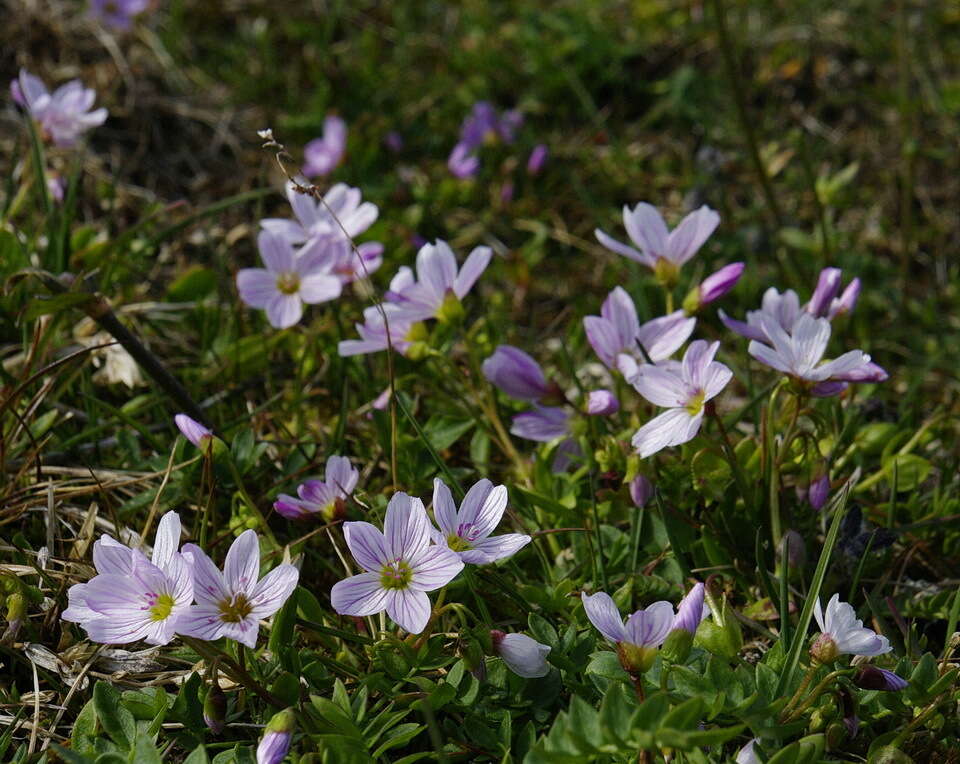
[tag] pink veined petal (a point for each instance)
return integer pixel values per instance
(366, 544)
(285, 229)
(695, 361)
(167, 540)
(245, 631)
(810, 337)
(409, 608)
(818, 615)
(741, 328)
(284, 310)
(769, 356)
(304, 208)
(495, 548)
(647, 229)
(649, 627)
(444, 508)
(622, 249)
(671, 428)
(116, 596)
(473, 267)
(180, 575)
(603, 614)
(77, 609)
(273, 590)
(781, 341)
(208, 581)
(110, 556)
(434, 567)
(364, 217)
(603, 338)
(340, 474)
(619, 310)
(436, 268)
(852, 359)
(689, 236)
(318, 493)
(256, 286)
(406, 528)
(715, 378)
(660, 387)
(359, 595)
(662, 337)
(293, 509)
(118, 630)
(241, 569)
(277, 254)
(483, 506)
(202, 622)
(319, 287)
(524, 655)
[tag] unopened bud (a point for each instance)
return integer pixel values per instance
(873, 678)
(276, 737)
(215, 709)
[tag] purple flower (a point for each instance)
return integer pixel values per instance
(332, 224)
(517, 374)
(193, 431)
(824, 302)
(523, 655)
(440, 286)
(683, 389)
(133, 598)
(799, 353)
(390, 328)
(64, 115)
(542, 423)
(828, 285)
(463, 163)
(602, 403)
(322, 155)
(467, 531)
(872, 678)
(747, 755)
(321, 497)
(616, 333)
(289, 280)
(56, 187)
(232, 603)
(215, 709)
(112, 557)
(393, 141)
(538, 157)
(637, 641)
(713, 287)
(691, 610)
(118, 14)
(276, 738)
(783, 309)
(483, 125)
(641, 490)
(842, 633)
(661, 250)
(400, 564)
(819, 492)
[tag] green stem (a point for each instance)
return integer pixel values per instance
(794, 699)
(229, 666)
(817, 692)
(250, 502)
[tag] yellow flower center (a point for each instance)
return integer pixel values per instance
(236, 609)
(695, 404)
(665, 272)
(289, 282)
(458, 543)
(162, 607)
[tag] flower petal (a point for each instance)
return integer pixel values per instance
(359, 595)
(273, 590)
(257, 287)
(366, 544)
(444, 508)
(284, 310)
(276, 252)
(167, 540)
(472, 268)
(406, 528)
(603, 614)
(495, 548)
(241, 569)
(409, 608)
(436, 566)
(671, 428)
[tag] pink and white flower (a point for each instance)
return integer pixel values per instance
(684, 389)
(232, 603)
(322, 155)
(63, 115)
(289, 280)
(321, 497)
(400, 566)
(842, 633)
(467, 531)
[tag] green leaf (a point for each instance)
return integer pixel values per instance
(44, 306)
(196, 282)
(116, 720)
(188, 708)
(911, 470)
(198, 756)
(145, 752)
(281, 642)
(84, 729)
(71, 756)
(443, 431)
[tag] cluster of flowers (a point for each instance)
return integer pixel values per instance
(310, 259)
(177, 591)
(784, 336)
